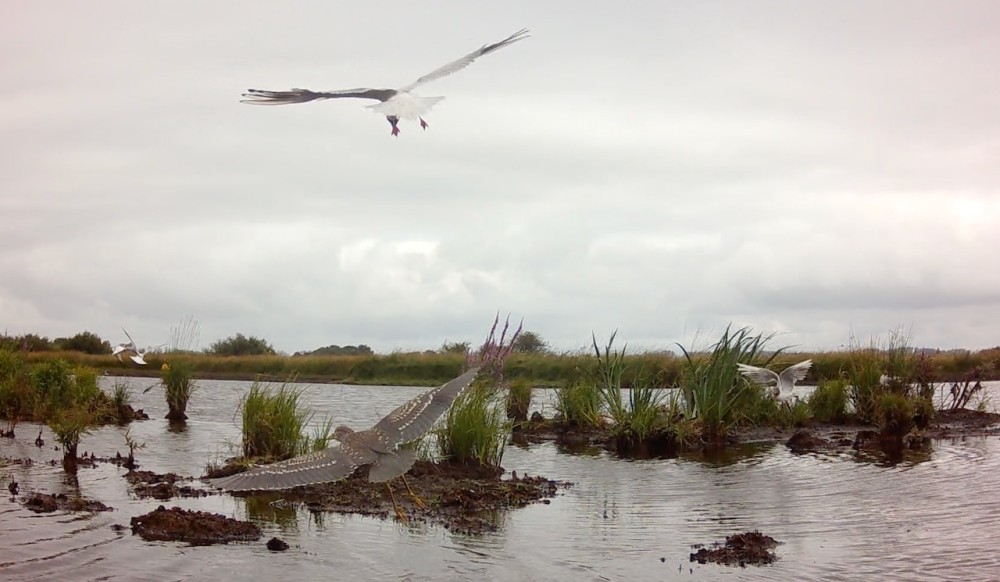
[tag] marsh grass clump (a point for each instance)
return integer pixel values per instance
(714, 391)
(273, 421)
(518, 399)
(894, 414)
(578, 404)
(475, 429)
(634, 421)
(121, 401)
(881, 367)
(828, 403)
(178, 384)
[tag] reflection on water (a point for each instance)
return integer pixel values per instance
(927, 515)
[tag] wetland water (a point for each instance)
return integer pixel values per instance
(935, 516)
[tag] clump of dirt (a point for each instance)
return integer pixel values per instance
(277, 545)
(198, 528)
(803, 441)
(740, 549)
(147, 484)
(459, 497)
(47, 503)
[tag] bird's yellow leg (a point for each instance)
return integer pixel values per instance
(399, 512)
(419, 502)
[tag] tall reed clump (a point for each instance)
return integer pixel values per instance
(714, 391)
(178, 384)
(635, 421)
(518, 399)
(475, 428)
(888, 381)
(273, 422)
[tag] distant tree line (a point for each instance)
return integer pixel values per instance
(335, 350)
(239, 345)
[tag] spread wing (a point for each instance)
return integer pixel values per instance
(331, 464)
(412, 419)
(795, 372)
(758, 375)
(263, 97)
(131, 343)
(467, 60)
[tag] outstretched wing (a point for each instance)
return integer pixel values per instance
(795, 373)
(332, 464)
(467, 60)
(131, 341)
(412, 419)
(262, 97)
(758, 375)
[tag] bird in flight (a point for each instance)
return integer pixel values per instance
(395, 104)
(382, 448)
(783, 382)
(129, 349)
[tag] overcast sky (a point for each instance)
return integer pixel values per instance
(664, 168)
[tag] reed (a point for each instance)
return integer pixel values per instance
(476, 428)
(121, 400)
(714, 391)
(635, 421)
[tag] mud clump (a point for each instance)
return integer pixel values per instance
(47, 503)
(461, 498)
(148, 484)
(198, 528)
(802, 442)
(276, 545)
(741, 549)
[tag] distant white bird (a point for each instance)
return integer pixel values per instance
(129, 349)
(395, 104)
(783, 383)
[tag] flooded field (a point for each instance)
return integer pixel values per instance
(839, 516)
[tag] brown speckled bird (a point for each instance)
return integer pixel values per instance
(380, 448)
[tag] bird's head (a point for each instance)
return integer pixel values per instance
(342, 431)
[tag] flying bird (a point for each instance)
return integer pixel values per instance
(380, 448)
(129, 349)
(395, 104)
(783, 383)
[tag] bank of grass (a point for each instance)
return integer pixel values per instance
(434, 368)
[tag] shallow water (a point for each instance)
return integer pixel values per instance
(841, 517)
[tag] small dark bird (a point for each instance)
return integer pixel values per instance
(38, 440)
(12, 487)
